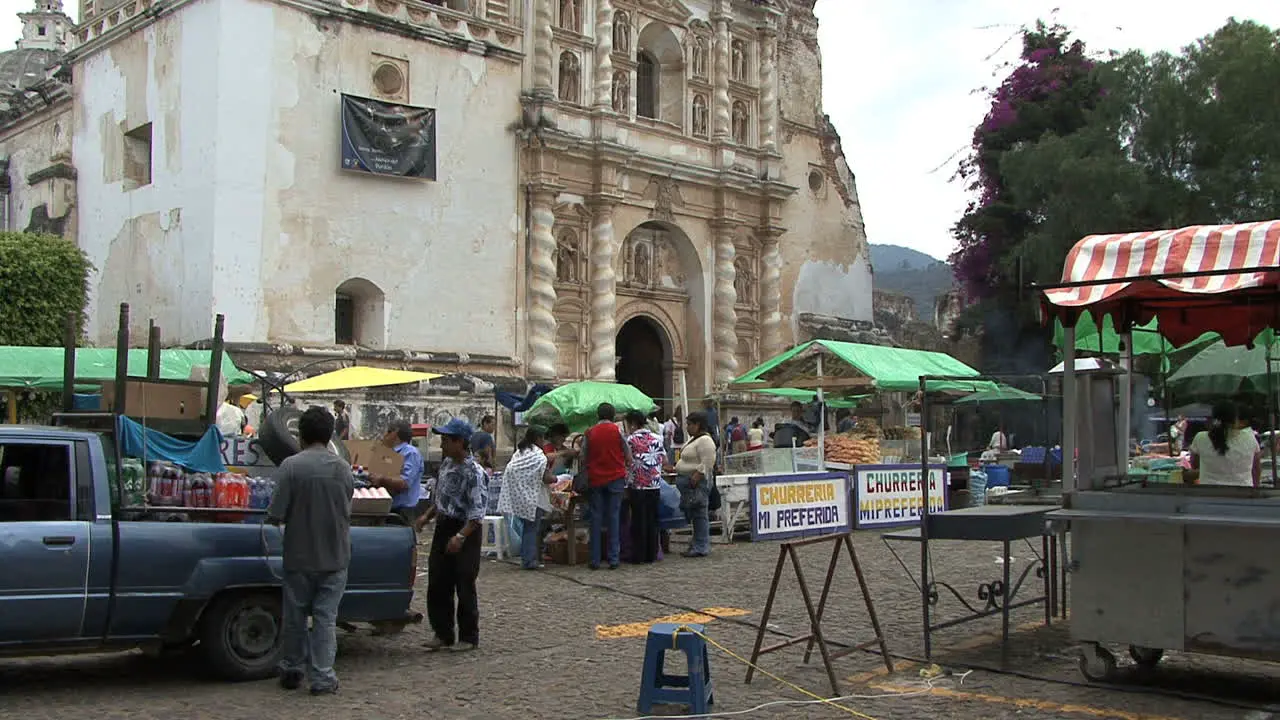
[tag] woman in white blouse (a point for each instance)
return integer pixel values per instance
(696, 471)
(1227, 453)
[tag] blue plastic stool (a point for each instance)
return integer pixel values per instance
(656, 686)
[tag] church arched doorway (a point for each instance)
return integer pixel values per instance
(644, 358)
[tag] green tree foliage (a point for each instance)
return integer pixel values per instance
(1139, 142)
(42, 279)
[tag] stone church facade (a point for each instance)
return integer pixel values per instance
(640, 190)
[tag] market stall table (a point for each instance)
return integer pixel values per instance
(1001, 523)
(1159, 566)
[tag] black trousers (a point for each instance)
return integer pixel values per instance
(644, 524)
(450, 574)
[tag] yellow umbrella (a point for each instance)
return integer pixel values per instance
(359, 376)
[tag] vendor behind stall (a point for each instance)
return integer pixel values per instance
(1227, 453)
(795, 430)
(406, 489)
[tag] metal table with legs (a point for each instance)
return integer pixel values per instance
(990, 523)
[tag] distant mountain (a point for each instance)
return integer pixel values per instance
(914, 274)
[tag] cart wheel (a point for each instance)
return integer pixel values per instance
(1146, 658)
(1097, 664)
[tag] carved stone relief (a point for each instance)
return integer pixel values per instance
(701, 116)
(649, 261)
(666, 197)
(571, 15)
(622, 92)
(743, 281)
(570, 78)
(622, 32)
(568, 258)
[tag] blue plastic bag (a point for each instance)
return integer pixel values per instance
(670, 516)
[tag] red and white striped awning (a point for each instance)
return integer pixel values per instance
(1138, 273)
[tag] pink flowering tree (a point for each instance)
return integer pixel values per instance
(1050, 92)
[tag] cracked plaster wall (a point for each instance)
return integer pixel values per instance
(826, 265)
(248, 213)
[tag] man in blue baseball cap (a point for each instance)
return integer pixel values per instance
(454, 562)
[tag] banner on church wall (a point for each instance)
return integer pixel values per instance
(386, 139)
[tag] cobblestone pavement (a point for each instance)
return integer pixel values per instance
(541, 657)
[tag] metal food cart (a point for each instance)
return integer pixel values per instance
(1164, 567)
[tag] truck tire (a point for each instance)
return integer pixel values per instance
(240, 635)
(279, 436)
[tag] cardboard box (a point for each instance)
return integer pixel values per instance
(376, 457)
(168, 401)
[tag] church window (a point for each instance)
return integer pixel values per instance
(359, 314)
(646, 85)
(570, 78)
(43, 30)
(389, 81)
(137, 157)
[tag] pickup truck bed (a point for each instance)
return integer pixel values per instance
(77, 578)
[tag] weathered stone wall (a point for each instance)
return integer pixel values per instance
(35, 155)
(248, 213)
(826, 266)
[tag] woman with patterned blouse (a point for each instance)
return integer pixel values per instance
(647, 456)
(525, 495)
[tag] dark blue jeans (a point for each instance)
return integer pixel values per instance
(606, 507)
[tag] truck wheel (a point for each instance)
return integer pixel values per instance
(278, 436)
(240, 636)
(1146, 658)
(1097, 664)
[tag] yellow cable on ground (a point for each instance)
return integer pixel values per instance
(748, 663)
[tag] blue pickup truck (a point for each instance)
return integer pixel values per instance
(77, 577)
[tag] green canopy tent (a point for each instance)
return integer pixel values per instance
(1222, 371)
(870, 368)
(1003, 393)
(575, 404)
(1147, 339)
(40, 368)
(805, 396)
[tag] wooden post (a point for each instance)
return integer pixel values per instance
(815, 636)
(122, 360)
(69, 338)
(11, 403)
(215, 371)
(153, 351)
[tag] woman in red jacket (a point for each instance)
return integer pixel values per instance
(604, 451)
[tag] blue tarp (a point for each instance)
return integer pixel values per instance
(204, 455)
(516, 403)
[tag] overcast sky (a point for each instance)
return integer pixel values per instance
(901, 81)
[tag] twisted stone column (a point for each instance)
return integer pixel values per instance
(543, 65)
(770, 298)
(604, 52)
(725, 317)
(720, 104)
(769, 93)
(604, 297)
(542, 289)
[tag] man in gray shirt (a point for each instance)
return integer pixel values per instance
(313, 501)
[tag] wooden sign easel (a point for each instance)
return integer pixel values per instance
(839, 541)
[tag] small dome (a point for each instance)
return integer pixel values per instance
(21, 69)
